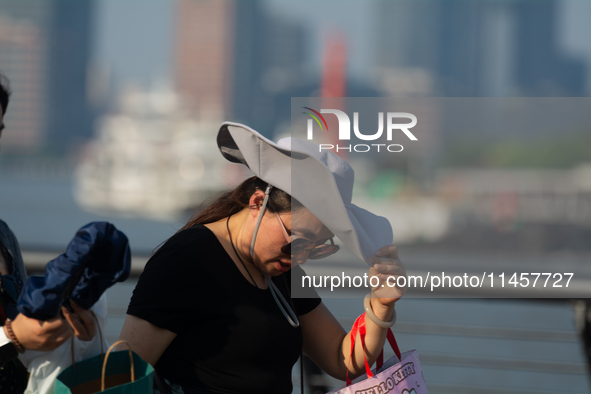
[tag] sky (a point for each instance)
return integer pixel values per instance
(134, 39)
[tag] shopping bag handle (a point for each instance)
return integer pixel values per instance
(107, 357)
(393, 345)
(359, 326)
(354, 331)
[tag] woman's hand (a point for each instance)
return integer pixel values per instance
(82, 321)
(34, 334)
(387, 268)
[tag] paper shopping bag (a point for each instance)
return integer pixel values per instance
(122, 372)
(401, 374)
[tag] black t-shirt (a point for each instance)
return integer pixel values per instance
(231, 336)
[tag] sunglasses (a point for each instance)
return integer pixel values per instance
(303, 245)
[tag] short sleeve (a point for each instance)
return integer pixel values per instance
(171, 288)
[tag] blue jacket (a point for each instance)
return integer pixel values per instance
(96, 258)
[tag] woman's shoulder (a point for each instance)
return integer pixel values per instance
(186, 244)
(192, 235)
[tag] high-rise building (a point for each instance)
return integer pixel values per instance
(70, 117)
(204, 55)
(44, 52)
(542, 69)
(235, 60)
(23, 59)
(476, 48)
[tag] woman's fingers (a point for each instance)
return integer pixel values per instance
(41, 335)
(87, 318)
(64, 334)
(388, 251)
(387, 266)
(81, 321)
(55, 331)
(388, 269)
(76, 324)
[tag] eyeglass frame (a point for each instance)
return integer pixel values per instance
(310, 255)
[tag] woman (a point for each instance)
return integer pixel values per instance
(210, 310)
(19, 333)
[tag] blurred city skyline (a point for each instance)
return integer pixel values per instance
(151, 59)
(244, 60)
(116, 106)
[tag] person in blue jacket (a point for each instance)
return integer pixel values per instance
(18, 332)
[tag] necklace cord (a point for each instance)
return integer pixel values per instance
(233, 247)
(283, 305)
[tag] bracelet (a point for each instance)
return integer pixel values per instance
(13, 337)
(373, 317)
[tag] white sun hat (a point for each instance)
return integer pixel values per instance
(321, 181)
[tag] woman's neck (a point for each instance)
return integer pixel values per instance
(233, 234)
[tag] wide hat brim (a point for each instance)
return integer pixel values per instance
(294, 167)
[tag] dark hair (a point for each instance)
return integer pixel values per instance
(4, 93)
(234, 201)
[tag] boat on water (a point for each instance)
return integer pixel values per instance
(152, 158)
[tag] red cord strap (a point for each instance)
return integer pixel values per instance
(353, 336)
(359, 325)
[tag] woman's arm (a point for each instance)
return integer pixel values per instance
(329, 346)
(146, 339)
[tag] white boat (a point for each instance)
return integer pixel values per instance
(153, 159)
